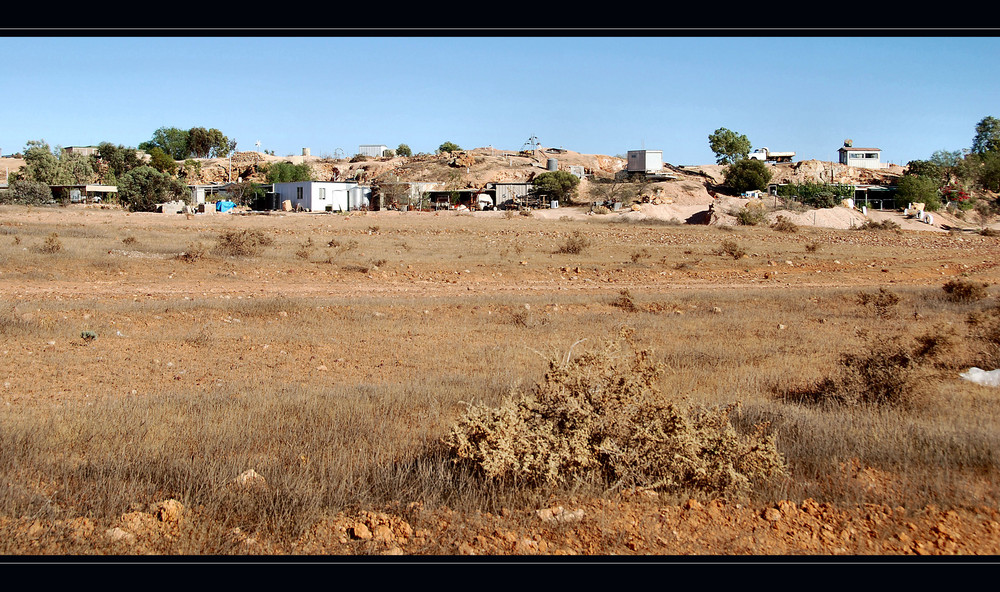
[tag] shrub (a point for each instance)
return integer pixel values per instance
(242, 243)
(194, 252)
(575, 244)
(732, 249)
(52, 244)
(962, 291)
(883, 372)
(28, 192)
(783, 224)
(883, 302)
(602, 416)
(625, 302)
(747, 175)
(876, 226)
(752, 214)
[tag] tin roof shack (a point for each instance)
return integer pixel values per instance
(323, 196)
(867, 158)
(83, 193)
(512, 195)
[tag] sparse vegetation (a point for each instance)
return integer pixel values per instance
(576, 244)
(601, 416)
(732, 249)
(959, 290)
(242, 243)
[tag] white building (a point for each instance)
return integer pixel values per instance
(375, 150)
(645, 161)
(868, 158)
(323, 196)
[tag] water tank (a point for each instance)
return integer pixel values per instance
(553, 164)
(305, 152)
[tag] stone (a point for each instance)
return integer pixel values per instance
(360, 531)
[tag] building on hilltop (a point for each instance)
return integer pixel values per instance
(376, 150)
(867, 158)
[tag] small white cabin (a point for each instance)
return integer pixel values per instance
(867, 158)
(323, 196)
(645, 161)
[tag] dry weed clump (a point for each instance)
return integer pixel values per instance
(883, 225)
(882, 302)
(575, 244)
(194, 252)
(959, 290)
(242, 243)
(51, 245)
(625, 302)
(783, 224)
(882, 373)
(732, 249)
(602, 415)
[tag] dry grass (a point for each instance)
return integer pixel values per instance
(337, 387)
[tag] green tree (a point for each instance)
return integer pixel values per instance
(747, 175)
(919, 189)
(199, 142)
(27, 192)
(40, 164)
(286, 172)
(57, 167)
(987, 138)
(728, 146)
(404, 150)
(448, 147)
(161, 161)
(561, 185)
(142, 188)
(989, 172)
(113, 161)
(172, 140)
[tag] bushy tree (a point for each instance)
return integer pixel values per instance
(987, 138)
(54, 167)
(448, 147)
(161, 161)
(27, 192)
(171, 140)
(747, 175)
(113, 161)
(40, 164)
(286, 172)
(142, 188)
(560, 185)
(728, 146)
(915, 188)
(817, 195)
(404, 150)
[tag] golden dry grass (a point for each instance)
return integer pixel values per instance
(334, 359)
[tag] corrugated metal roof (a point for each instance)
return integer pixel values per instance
(852, 149)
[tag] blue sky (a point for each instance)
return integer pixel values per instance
(909, 96)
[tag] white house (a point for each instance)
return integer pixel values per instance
(323, 196)
(645, 161)
(375, 150)
(868, 158)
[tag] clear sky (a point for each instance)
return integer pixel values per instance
(607, 94)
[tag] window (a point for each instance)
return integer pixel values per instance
(298, 193)
(322, 193)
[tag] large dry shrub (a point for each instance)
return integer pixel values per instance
(602, 414)
(886, 371)
(242, 243)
